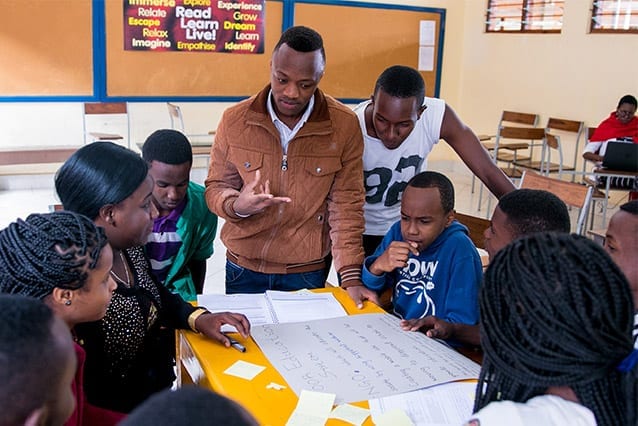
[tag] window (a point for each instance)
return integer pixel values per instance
(617, 16)
(543, 16)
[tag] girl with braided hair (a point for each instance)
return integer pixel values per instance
(130, 352)
(556, 320)
(63, 259)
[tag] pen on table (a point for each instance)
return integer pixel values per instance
(235, 344)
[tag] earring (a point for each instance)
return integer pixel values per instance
(67, 302)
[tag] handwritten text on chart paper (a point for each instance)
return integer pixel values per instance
(359, 357)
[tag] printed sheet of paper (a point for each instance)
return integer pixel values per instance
(395, 417)
(302, 305)
(274, 306)
(449, 404)
(427, 33)
(359, 357)
(426, 58)
(252, 305)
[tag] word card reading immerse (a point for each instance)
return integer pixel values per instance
(359, 357)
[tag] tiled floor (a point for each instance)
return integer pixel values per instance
(28, 194)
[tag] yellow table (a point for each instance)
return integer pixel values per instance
(203, 362)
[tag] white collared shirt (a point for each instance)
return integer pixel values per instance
(286, 133)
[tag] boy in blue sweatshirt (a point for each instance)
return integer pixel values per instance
(427, 257)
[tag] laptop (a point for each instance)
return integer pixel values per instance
(622, 156)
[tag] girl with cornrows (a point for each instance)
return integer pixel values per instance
(556, 322)
(63, 259)
(130, 352)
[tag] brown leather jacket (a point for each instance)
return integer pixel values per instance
(324, 179)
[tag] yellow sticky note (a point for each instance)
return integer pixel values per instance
(244, 370)
(350, 413)
(313, 409)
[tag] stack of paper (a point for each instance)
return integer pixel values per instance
(275, 307)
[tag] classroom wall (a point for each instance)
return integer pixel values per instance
(572, 75)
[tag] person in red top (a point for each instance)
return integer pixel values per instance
(621, 123)
(63, 259)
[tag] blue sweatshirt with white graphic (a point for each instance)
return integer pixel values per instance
(443, 280)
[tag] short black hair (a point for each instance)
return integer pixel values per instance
(630, 207)
(302, 39)
(49, 250)
(628, 99)
(534, 210)
(436, 180)
(167, 146)
(31, 357)
(98, 174)
(190, 405)
(401, 82)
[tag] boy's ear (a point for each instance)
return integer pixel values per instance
(449, 218)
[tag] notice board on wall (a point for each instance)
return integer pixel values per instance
(361, 40)
(46, 48)
(68, 49)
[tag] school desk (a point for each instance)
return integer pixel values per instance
(608, 173)
(203, 362)
(36, 155)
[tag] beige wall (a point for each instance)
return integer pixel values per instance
(572, 75)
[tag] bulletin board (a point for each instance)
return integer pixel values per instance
(60, 50)
(46, 49)
(363, 39)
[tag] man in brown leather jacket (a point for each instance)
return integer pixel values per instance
(286, 175)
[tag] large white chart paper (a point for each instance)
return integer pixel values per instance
(359, 357)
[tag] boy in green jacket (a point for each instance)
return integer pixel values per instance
(183, 233)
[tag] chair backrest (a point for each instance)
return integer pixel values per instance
(476, 226)
(530, 136)
(571, 129)
(511, 118)
(527, 133)
(106, 109)
(522, 118)
(572, 194)
(175, 114)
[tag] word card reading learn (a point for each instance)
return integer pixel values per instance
(359, 357)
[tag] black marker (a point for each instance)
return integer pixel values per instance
(235, 344)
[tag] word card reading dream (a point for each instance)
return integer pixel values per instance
(359, 357)
(194, 25)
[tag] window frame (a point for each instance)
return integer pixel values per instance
(595, 7)
(525, 6)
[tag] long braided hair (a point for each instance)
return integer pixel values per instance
(47, 251)
(556, 311)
